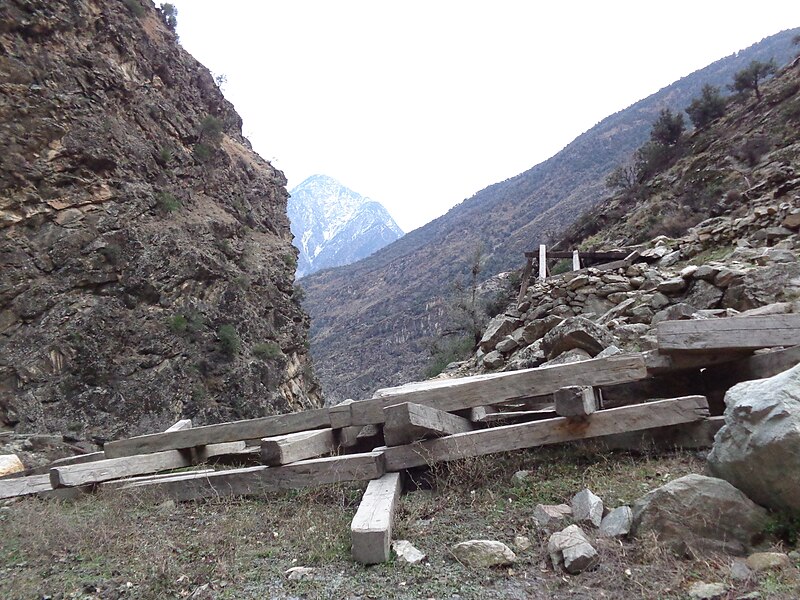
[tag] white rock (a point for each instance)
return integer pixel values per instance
(483, 553)
(298, 573)
(10, 463)
(546, 515)
(586, 506)
(571, 548)
(617, 523)
(522, 543)
(407, 553)
(707, 591)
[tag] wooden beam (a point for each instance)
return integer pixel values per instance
(292, 447)
(549, 431)
(259, 480)
(462, 393)
(407, 422)
(687, 436)
(730, 333)
(659, 363)
(223, 432)
(24, 486)
(128, 466)
(371, 529)
(575, 401)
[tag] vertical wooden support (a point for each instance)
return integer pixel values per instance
(542, 262)
(576, 261)
(371, 529)
(526, 275)
(575, 401)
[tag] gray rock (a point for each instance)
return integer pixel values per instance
(534, 330)
(617, 523)
(740, 571)
(696, 514)
(673, 313)
(407, 553)
(659, 301)
(576, 332)
(493, 360)
(299, 573)
(508, 344)
(483, 553)
(672, 286)
(670, 259)
(586, 506)
(520, 477)
(548, 515)
(760, 441)
(610, 351)
(768, 561)
(704, 295)
(776, 308)
(498, 328)
(570, 356)
(706, 272)
(522, 543)
(707, 591)
(762, 286)
(572, 549)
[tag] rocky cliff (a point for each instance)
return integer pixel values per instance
(144, 247)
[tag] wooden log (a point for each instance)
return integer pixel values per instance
(262, 479)
(222, 432)
(525, 279)
(730, 333)
(575, 401)
(128, 466)
(284, 449)
(339, 415)
(180, 425)
(549, 431)
(463, 393)
(686, 436)
(121, 483)
(371, 528)
(659, 363)
(407, 422)
(24, 486)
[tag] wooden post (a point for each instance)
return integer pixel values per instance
(408, 422)
(542, 262)
(575, 401)
(576, 261)
(371, 529)
(526, 276)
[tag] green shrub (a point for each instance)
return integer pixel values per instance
(178, 323)
(202, 152)
(211, 130)
(784, 526)
(446, 351)
(290, 260)
(266, 350)
(167, 202)
(562, 266)
(135, 7)
(170, 15)
(165, 155)
(228, 340)
(708, 107)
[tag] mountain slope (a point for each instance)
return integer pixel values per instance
(372, 321)
(145, 252)
(335, 226)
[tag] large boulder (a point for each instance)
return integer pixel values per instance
(696, 514)
(576, 332)
(498, 328)
(759, 445)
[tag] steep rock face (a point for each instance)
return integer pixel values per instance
(335, 226)
(144, 247)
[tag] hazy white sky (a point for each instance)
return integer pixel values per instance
(419, 104)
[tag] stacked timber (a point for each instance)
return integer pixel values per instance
(438, 421)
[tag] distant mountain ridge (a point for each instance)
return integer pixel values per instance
(372, 321)
(335, 226)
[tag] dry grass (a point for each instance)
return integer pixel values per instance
(135, 546)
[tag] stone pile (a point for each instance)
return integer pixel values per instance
(740, 265)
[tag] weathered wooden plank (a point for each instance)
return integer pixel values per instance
(128, 466)
(371, 528)
(575, 401)
(24, 486)
(407, 422)
(121, 483)
(463, 393)
(284, 449)
(758, 366)
(660, 362)
(730, 333)
(222, 432)
(180, 425)
(259, 480)
(549, 431)
(686, 436)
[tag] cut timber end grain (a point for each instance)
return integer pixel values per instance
(407, 422)
(284, 449)
(371, 529)
(575, 401)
